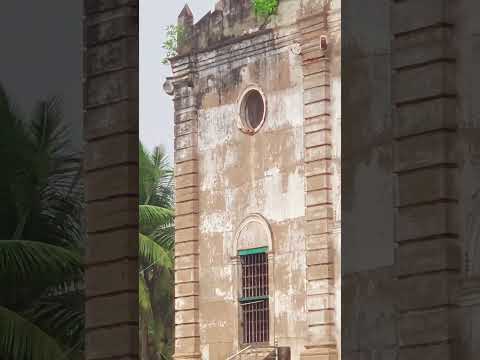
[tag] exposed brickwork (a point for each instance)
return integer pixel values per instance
(428, 256)
(111, 164)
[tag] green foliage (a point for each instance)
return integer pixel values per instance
(41, 236)
(265, 8)
(156, 239)
(175, 36)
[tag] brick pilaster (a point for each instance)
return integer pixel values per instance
(187, 328)
(427, 257)
(111, 167)
(321, 343)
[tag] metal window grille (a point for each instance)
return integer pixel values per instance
(254, 296)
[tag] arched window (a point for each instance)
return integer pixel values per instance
(253, 260)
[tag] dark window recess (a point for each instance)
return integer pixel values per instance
(252, 109)
(254, 299)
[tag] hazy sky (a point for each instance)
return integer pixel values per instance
(156, 107)
(42, 56)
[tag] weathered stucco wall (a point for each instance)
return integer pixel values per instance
(241, 175)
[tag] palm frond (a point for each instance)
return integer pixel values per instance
(153, 252)
(153, 215)
(62, 315)
(164, 235)
(22, 339)
(33, 262)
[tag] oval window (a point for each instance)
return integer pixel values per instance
(252, 110)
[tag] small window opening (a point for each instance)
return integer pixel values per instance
(252, 110)
(254, 296)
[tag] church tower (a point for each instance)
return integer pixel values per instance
(257, 182)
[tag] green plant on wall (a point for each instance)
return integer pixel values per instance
(265, 8)
(175, 35)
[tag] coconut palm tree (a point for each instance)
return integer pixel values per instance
(41, 237)
(156, 241)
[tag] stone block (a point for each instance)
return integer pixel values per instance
(425, 256)
(187, 346)
(111, 151)
(315, 109)
(317, 227)
(186, 127)
(431, 149)
(112, 214)
(426, 352)
(111, 278)
(316, 94)
(186, 316)
(317, 138)
(317, 123)
(321, 287)
(187, 167)
(186, 181)
(93, 6)
(427, 185)
(186, 262)
(186, 330)
(185, 141)
(426, 220)
(186, 248)
(112, 56)
(111, 310)
(321, 334)
(319, 272)
(318, 197)
(110, 182)
(318, 212)
(320, 241)
(426, 291)
(186, 289)
(112, 87)
(109, 120)
(104, 343)
(111, 25)
(186, 276)
(318, 182)
(425, 116)
(424, 46)
(318, 167)
(186, 194)
(188, 207)
(316, 80)
(425, 327)
(112, 245)
(186, 303)
(430, 80)
(411, 15)
(184, 235)
(315, 67)
(319, 152)
(186, 154)
(320, 302)
(186, 221)
(320, 257)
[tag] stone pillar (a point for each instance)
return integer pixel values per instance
(427, 256)
(187, 328)
(111, 176)
(321, 302)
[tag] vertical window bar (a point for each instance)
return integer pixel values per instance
(254, 293)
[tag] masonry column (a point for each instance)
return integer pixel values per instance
(318, 172)
(187, 331)
(111, 177)
(427, 257)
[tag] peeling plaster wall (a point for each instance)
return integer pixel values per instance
(241, 174)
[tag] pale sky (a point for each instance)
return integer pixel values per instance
(156, 107)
